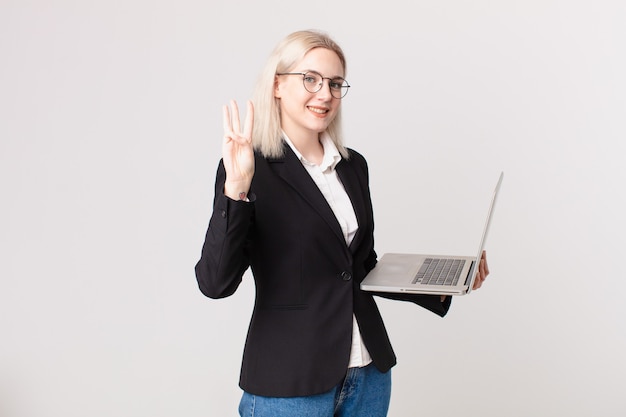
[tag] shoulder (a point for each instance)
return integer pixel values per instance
(353, 154)
(356, 160)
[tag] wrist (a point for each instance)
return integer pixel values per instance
(237, 190)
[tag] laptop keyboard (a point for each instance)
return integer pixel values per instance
(439, 272)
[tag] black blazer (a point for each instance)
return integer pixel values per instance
(307, 279)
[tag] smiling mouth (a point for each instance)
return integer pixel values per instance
(318, 110)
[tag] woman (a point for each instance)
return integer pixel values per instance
(293, 204)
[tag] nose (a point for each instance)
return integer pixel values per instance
(324, 90)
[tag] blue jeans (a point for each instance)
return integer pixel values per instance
(364, 392)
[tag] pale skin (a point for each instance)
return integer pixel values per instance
(237, 152)
(305, 115)
(483, 271)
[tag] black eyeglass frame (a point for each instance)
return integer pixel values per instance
(343, 88)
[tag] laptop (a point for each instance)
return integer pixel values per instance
(429, 274)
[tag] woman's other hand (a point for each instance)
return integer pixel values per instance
(483, 271)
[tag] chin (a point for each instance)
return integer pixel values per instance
(319, 127)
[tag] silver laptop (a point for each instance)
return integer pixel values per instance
(429, 274)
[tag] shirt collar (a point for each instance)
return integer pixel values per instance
(331, 153)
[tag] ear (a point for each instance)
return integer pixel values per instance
(276, 87)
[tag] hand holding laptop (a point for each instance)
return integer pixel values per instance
(483, 271)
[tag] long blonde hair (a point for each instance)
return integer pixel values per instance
(267, 134)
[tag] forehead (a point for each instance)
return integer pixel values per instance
(322, 60)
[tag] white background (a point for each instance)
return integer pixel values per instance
(110, 130)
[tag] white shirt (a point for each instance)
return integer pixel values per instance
(325, 177)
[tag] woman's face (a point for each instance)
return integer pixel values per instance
(305, 114)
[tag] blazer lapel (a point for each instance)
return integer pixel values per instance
(290, 169)
(351, 184)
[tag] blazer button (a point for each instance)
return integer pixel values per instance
(346, 276)
(223, 214)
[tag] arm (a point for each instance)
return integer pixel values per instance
(224, 256)
(434, 303)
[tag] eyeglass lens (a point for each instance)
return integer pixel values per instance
(313, 83)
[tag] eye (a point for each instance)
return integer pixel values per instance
(310, 79)
(337, 83)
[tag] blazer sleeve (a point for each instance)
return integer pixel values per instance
(429, 302)
(225, 252)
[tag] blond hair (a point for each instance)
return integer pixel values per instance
(267, 134)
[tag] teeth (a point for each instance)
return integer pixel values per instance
(316, 110)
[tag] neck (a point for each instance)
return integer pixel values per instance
(309, 146)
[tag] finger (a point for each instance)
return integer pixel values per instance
(247, 132)
(226, 122)
(483, 275)
(235, 117)
(480, 275)
(486, 265)
(480, 279)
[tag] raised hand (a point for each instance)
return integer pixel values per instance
(237, 152)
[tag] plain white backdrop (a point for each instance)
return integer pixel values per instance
(110, 132)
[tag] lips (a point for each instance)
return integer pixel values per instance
(318, 110)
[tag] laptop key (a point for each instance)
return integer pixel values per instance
(442, 271)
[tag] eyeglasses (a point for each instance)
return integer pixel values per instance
(313, 82)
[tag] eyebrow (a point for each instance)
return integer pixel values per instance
(317, 72)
